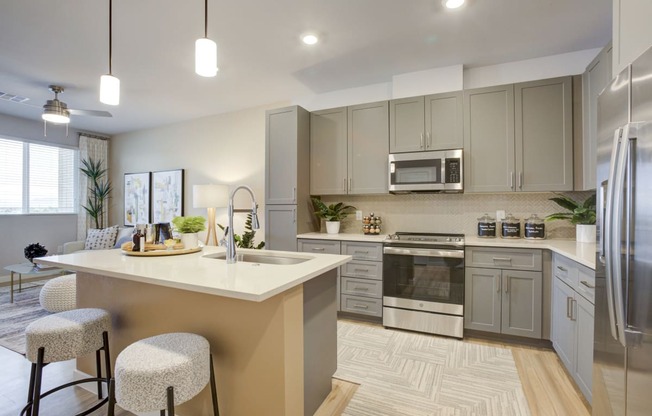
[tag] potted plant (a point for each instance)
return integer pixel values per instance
(99, 189)
(581, 214)
(332, 214)
(246, 240)
(188, 229)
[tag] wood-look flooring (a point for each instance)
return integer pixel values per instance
(548, 388)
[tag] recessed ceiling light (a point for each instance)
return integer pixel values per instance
(309, 39)
(453, 4)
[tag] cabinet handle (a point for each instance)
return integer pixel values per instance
(294, 194)
(317, 249)
(361, 270)
(361, 306)
(361, 252)
(421, 145)
(499, 284)
(294, 216)
(563, 269)
(520, 180)
(360, 288)
(511, 180)
(572, 315)
(508, 259)
(506, 284)
(429, 140)
(587, 284)
(568, 302)
(350, 182)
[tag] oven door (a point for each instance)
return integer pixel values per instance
(420, 274)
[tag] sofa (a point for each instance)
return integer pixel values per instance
(100, 239)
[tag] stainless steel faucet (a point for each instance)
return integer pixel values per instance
(230, 245)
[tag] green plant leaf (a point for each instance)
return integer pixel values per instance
(565, 202)
(189, 224)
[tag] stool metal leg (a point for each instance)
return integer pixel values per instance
(98, 370)
(30, 391)
(170, 401)
(37, 381)
(111, 406)
(216, 410)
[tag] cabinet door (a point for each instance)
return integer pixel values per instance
(544, 135)
(489, 139)
(563, 328)
(328, 152)
(368, 148)
(281, 156)
(406, 125)
(281, 227)
(444, 126)
(482, 299)
(583, 314)
(521, 303)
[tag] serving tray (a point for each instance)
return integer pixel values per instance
(154, 253)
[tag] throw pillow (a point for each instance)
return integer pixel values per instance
(124, 235)
(100, 239)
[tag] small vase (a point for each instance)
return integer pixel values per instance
(332, 227)
(190, 240)
(585, 233)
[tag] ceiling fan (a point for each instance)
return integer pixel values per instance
(57, 111)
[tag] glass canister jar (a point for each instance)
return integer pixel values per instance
(535, 228)
(486, 227)
(511, 227)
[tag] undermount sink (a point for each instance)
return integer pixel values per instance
(261, 258)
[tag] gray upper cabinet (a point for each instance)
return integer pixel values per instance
(519, 137)
(368, 148)
(328, 152)
(489, 139)
(594, 79)
(286, 144)
(349, 149)
(544, 135)
(433, 122)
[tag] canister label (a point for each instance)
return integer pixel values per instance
(511, 229)
(486, 229)
(535, 231)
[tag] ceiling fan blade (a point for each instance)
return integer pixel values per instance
(95, 113)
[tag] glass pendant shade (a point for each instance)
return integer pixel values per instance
(57, 118)
(205, 57)
(109, 90)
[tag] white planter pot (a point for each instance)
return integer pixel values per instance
(332, 227)
(585, 233)
(190, 240)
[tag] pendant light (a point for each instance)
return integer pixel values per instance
(205, 51)
(110, 85)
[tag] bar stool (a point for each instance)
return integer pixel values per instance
(158, 372)
(59, 294)
(61, 337)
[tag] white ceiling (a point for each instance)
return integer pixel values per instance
(261, 59)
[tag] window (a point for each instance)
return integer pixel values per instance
(37, 178)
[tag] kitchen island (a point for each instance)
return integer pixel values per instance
(272, 327)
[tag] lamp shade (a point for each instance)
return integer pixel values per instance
(109, 90)
(210, 196)
(205, 57)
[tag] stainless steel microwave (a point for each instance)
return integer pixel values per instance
(434, 171)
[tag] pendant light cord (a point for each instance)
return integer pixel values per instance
(206, 18)
(110, 35)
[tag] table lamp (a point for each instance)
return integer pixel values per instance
(210, 197)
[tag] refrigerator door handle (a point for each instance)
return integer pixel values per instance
(602, 194)
(608, 232)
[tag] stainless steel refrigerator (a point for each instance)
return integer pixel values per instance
(622, 363)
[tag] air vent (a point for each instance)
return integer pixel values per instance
(12, 97)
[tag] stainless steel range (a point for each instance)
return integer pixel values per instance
(423, 283)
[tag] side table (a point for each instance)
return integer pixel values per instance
(28, 269)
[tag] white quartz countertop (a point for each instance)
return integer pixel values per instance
(375, 238)
(583, 253)
(195, 272)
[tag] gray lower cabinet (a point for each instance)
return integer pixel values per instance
(360, 281)
(499, 297)
(432, 122)
(573, 319)
(349, 150)
(519, 137)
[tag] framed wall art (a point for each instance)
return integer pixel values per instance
(136, 196)
(167, 195)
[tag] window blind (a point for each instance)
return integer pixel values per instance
(11, 177)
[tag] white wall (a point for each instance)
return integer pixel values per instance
(632, 31)
(225, 148)
(19, 231)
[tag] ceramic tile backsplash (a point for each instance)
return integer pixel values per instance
(453, 213)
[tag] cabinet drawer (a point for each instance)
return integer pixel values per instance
(508, 259)
(363, 251)
(366, 269)
(565, 270)
(362, 287)
(586, 283)
(319, 246)
(362, 305)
